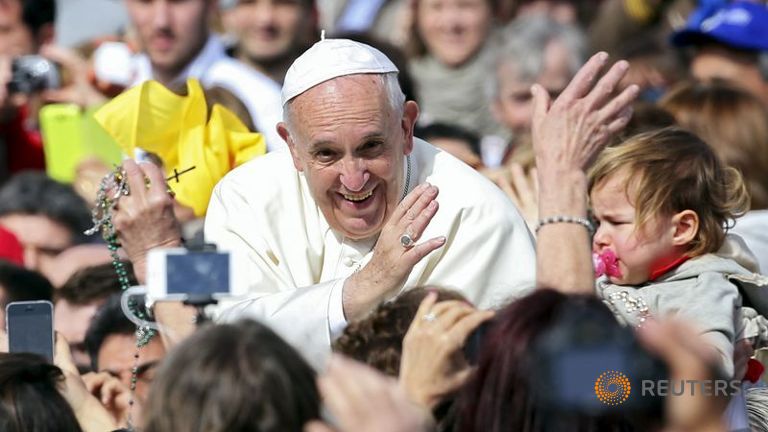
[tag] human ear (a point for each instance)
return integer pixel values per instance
(410, 114)
(282, 130)
(686, 226)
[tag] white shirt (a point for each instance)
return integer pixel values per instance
(298, 264)
(751, 227)
(213, 67)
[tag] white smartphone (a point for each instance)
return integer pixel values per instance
(177, 274)
(30, 327)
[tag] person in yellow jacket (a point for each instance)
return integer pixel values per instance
(184, 133)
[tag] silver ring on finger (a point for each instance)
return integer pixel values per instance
(429, 317)
(406, 241)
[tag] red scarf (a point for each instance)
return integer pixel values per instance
(663, 269)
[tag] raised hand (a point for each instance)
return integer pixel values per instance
(567, 136)
(112, 394)
(523, 189)
(397, 250)
(91, 415)
(433, 364)
(144, 218)
(79, 91)
(569, 132)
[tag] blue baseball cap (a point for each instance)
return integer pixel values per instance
(741, 25)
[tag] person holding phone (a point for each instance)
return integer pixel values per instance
(47, 394)
(20, 284)
(27, 26)
(358, 211)
(30, 327)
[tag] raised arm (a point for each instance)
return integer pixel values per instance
(567, 135)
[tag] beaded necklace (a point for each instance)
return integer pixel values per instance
(113, 186)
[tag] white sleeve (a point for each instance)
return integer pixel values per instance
(307, 315)
(337, 322)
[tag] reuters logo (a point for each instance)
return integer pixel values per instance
(612, 388)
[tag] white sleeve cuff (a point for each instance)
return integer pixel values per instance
(336, 320)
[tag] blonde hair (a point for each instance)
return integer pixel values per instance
(671, 170)
(734, 122)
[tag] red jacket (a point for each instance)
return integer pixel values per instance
(10, 248)
(24, 146)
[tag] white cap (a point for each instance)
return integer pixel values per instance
(332, 58)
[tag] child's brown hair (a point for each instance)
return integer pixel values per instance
(671, 170)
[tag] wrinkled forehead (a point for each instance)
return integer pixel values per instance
(364, 93)
(344, 111)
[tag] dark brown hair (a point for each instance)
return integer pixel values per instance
(30, 398)
(233, 378)
(93, 284)
(500, 395)
(377, 339)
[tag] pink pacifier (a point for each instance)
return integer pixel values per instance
(606, 263)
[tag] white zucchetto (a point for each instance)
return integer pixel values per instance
(332, 58)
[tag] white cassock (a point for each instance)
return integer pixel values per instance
(298, 264)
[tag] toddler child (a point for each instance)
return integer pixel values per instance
(664, 202)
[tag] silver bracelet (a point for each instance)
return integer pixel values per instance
(566, 219)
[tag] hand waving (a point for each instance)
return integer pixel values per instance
(393, 260)
(569, 132)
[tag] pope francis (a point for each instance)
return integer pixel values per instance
(360, 210)
(355, 211)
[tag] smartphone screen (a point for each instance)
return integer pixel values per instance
(198, 273)
(30, 327)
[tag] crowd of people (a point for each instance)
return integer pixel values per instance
(445, 215)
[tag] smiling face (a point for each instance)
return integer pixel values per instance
(350, 145)
(172, 32)
(270, 29)
(453, 30)
(639, 250)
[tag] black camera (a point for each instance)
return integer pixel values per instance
(586, 363)
(33, 73)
